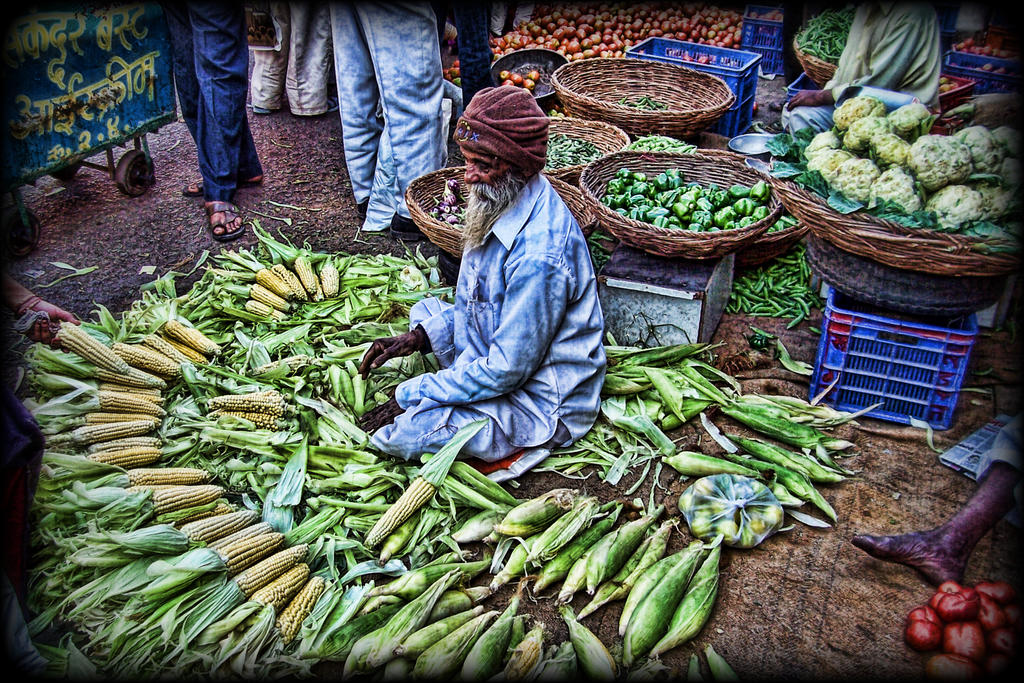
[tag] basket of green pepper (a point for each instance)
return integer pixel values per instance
(437, 203)
(573, 143)
(697, 206)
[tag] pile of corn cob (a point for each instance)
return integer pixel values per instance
(122, 552)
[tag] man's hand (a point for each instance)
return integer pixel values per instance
(386, 348)
(46, 328)
(384, 414)
(811, 98)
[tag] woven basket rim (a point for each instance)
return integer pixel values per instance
(674, 242)
(939, 253)
(449, 238)
(824, 70)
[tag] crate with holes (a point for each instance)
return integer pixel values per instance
(906, 369)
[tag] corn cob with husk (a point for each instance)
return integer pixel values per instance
(167, 476)
(477, 527)
(259, 420)
(134, 378)
(187, 351)
(152, 395)
(264, 296)
(286, 365)
(552, 539)
(330, 279)
(190, 337)
(444, 659)
(291, 618)
(295, 288)
(526, 658)
(164, 347)
(308, 278)
(218, 526)
(272, 281)
(248, 551)
(485, 658)
(147, 359)
(76, 340)
(794, 482)
(100, 417)
(278, 592)
(559, 664)
(120, 402)
(684, 562)
(458, 600)
(249, 531)
(94, 433)
(127, 458)
(398, 538)
(417, 642)
(264, 310)
(559, 566)
(174, 498)
(536, 514)
(611, 552)
(766, 421)
(617, 587)
(595, 663)
(423, 486)
(266, 571)
(413, 583)
(805, 465)
(128, 442)
(398, 669)
(693, 610)
(221, 508)
(694, 464)
(720, 669)
(377, 648)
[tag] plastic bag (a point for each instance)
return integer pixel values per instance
(743, 510)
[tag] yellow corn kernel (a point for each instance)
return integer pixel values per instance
(215, 527)
(116, 401)
(282, 589)
(273, 282)
(191, 337)
(294, 286)
(127, 457)
(167, 476)
(247, 552)
(145, 358)
(265, 571)
(263, 310)
(291, 618)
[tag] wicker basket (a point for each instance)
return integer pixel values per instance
(424, 192)
(889, 243)
(592, 88)
(818, 70)
(769, 245)
(606, 137)
(722, 168)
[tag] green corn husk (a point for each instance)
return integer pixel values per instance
(558, 567)
(444, 659)
(398, 669)
(411, 584)
(492, 489)
(458, 600)
(770, 424)
(527, 655)
(478, 527)
(649, 620)
(595, 663)
(693, 674)
(515, 565)
(693, 464)
(797, 462)
(536, 514)
(417, 642)
(487, 654)
(562, 530)
(720, 669)
(397, 539)
(653, 575)
(795, 482)
(560, 665)
(695, 608)
(617, 588)
(610, 553)
(337, 646)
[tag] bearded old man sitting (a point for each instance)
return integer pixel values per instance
(522, 344)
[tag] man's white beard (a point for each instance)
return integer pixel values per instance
(485, 205)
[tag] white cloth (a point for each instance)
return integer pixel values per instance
(301, 67)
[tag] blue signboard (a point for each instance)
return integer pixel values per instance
(78, 80)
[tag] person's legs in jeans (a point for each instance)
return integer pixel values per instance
(471, 21)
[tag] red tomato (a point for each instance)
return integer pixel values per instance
(529, 83)
(961, 606)
(1012, 614)
(1000, 591)
(989, 614)
(924, 613)
(951, 668)
(964, 638)
(923, 635)
(1003, 641)
(534, 75)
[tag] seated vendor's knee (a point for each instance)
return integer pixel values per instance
(798, 118)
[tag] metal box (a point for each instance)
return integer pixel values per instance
(651, 301)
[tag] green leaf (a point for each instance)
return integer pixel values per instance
(436, 468)
(78, 272)
(843, 204)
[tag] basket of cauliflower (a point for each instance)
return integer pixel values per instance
(878, 184)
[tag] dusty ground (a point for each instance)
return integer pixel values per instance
(806, 604)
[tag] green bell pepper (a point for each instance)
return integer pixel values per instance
(719, 198)
(638, 177)
(725, 217)
(760, 213)
(683, 208)
(704, 204)
(616, 186)
(640, 188)
(760, 191)
(739, 191)
(655, 212)
(744, 207)
(624, 174)
(745, 221)
(660, 222)
(701, 218)
(661, 181)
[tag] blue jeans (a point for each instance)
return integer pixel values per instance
(211, 74)
(472, 20)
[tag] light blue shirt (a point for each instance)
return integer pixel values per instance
(523, 341)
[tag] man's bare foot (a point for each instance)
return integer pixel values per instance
(225, 221)
(926, 551)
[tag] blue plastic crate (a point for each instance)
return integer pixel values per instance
(914, 369)
(802, 82)
(967, 65)
(736, 120)
(763, 36)
(738, 68)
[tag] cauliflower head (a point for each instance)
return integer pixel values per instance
(997, 201)
(859, 107)
(828, 161)
(1010, 171)
(907, 120)
(858, 136)
(822, 141)
(896, 185)
(939, 160)
(854, 178)
(956, 204)
(890, 150)
(1009, 139)
(986, 152)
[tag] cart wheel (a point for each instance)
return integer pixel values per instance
(134, 173)
(21, 238)
(66, 173)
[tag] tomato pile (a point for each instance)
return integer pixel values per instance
(765, 13)
(528, 80)
(586, 30)
(969, 45)
(976, 628)
(946, 84)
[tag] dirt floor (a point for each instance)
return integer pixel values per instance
(806, 604)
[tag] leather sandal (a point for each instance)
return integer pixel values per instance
(230, 213)
(196, 190)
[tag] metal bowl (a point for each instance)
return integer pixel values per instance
(544, 61)
(752, 145)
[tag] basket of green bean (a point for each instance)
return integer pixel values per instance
(675, 205)
(820, 42)
(776, 241)
(573, 143)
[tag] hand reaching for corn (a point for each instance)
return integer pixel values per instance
(386, 348)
